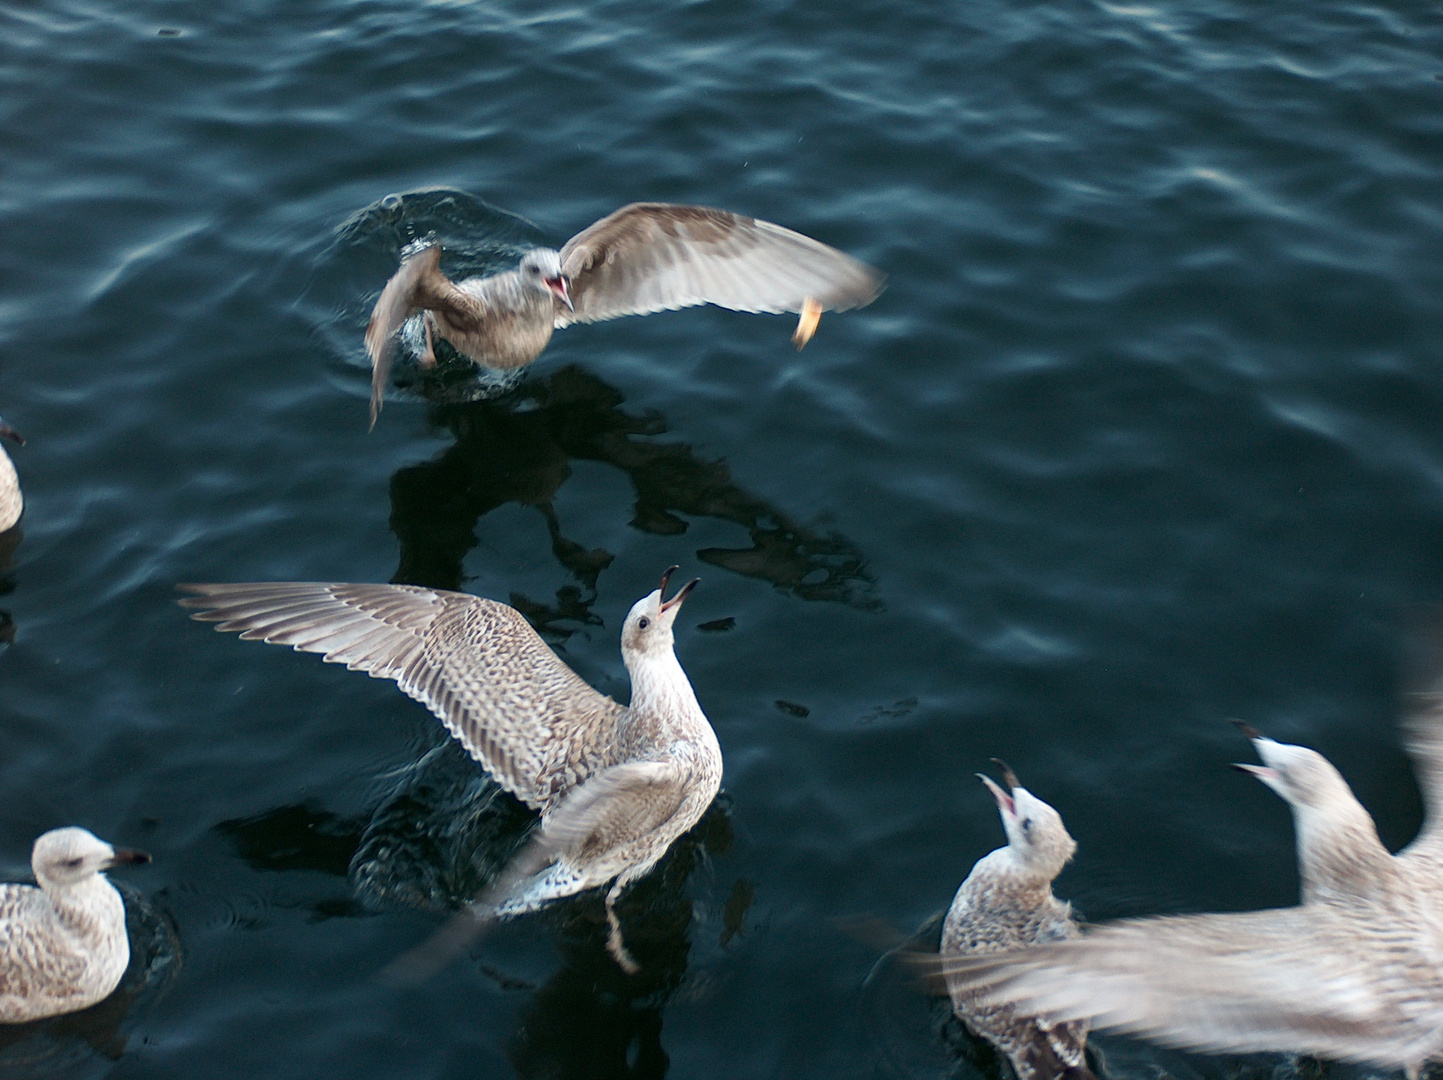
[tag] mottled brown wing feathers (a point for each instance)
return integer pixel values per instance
(616, 806)
(657, 256)
(475, 663)
(36, 955)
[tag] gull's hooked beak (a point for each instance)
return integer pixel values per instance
(681, 594)
(1005, 802)
(561, 288)
(8, 432)
(122, 856)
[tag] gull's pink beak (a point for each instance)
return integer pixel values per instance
(1004, 800)
(558, 285)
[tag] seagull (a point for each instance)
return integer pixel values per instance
(1353, 973)
(12, 503)
(643, 258)
(63, 946)
(615, 785)
(1006, 903)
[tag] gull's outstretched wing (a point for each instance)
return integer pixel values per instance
(1304, 979)
(1423, 733)
(657, 256)
(477, 664)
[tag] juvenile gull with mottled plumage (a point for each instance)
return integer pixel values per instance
(643, 258)
(1006, 903)
(1354, 972)
(63, 946)
(615, 785)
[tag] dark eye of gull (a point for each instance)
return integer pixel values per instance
(1027, 825)
(642, 623)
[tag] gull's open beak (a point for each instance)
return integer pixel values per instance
(8, 432)
(1004, 800)
(681, 594)
(559, 286)
(128, 855)
(1261, 772)
(1008, 776)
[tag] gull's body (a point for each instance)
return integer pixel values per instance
(12, 503)
(63, 946)
(1006, 903)
(643, 258)
(615, 785)
(1354, 972)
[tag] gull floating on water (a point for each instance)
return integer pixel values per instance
(1354, 973)
(615, 785)
(63, 946)
(12, 503)
(1006, 903)
(643, 258)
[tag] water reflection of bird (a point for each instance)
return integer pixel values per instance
(1006, 903)
(615, 785)
(419, 848)
(643, 258)
(63, 946)
(519, 449)
(1355, 972)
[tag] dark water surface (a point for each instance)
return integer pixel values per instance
(1144, 434)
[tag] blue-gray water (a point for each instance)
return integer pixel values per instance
(1143, 434)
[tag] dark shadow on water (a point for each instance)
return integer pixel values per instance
(87, 1043)
(439, 832)
(518, 448)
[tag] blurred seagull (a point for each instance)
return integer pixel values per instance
(1006, 903)
(643, 258)
(615, 785)
(63, 946)
(1354, 973)
(12, 503)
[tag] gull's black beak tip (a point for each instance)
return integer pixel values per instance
(130, 856)
(1246, 728)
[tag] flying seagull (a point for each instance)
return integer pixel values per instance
(1354, 972)
(643, 258)
(615, 785)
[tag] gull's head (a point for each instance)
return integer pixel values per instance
(647, 630)
(68, 856)
(1305, 778)
(1035, 833)
(541, 267)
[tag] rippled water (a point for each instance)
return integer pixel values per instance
(1143, 434)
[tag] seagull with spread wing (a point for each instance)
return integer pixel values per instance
(1354, 972)
(615, 785)
(643, 258)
